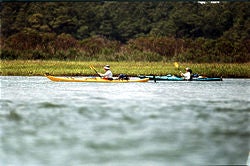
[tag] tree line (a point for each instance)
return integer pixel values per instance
(117, 31)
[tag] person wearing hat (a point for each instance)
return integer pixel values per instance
(108, 73)
(187, 74)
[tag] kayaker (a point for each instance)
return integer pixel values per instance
(187, 74)
(108, 73)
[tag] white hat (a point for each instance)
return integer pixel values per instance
(106, 67)
(187, 68)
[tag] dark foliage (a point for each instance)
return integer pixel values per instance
(183, 31)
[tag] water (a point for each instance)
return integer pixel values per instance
(164, 123)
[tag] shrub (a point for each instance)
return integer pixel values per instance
(98, 44)
(8, 54)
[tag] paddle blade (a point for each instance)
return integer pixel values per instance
(176, 65)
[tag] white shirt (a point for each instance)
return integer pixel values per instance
(108, 74)
(186, 75)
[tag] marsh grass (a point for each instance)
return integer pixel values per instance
(81, 68)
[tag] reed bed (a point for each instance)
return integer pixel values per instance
(82, 68)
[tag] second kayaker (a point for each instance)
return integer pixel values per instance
(187, 74)
(108, 73)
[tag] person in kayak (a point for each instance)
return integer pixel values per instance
(187, 74)
(108, 73)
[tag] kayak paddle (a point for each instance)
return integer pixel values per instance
(176, 65)
(92, 67)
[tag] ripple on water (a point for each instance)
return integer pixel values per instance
(48, 105)
(13, 115)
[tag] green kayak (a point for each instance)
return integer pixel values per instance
(175, 78)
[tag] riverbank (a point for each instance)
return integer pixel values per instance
(81, 68)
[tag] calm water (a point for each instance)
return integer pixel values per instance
(164, 123)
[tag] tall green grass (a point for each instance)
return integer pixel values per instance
(80, 68)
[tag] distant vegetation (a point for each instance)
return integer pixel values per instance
(126, 31)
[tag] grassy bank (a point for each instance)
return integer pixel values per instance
(80, 68)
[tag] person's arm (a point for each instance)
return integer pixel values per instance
(181, 73)
(105, 74)
(102, 75)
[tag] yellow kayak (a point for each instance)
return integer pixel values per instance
(93, 79)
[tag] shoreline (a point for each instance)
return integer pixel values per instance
(82, 68)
